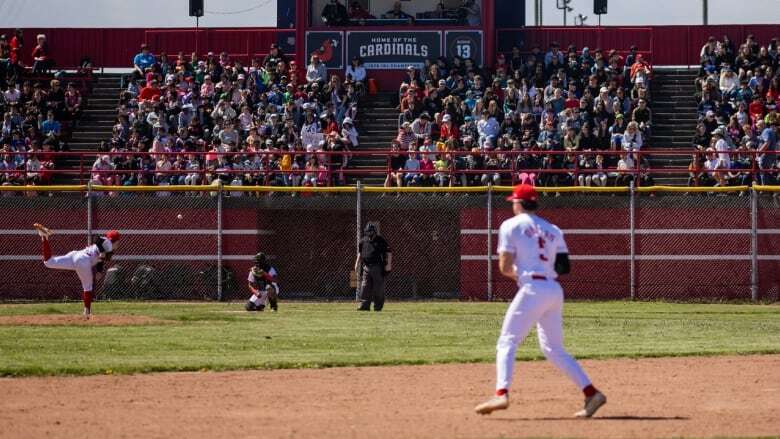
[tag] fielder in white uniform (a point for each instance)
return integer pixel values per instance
(86, 263)
(532, 252)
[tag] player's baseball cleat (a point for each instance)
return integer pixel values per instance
(493, 404)
(43, 231)
(592, 404)
(87, 314)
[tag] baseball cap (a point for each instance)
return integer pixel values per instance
(523, 192)
(113, 235)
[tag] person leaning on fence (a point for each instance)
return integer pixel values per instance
(626, 168)
(374, 263)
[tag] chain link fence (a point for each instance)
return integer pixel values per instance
(197, 244)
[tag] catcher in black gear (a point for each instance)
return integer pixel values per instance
(262, 283)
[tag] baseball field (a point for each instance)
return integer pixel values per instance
(322, 370)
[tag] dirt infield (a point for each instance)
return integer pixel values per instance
(70, 320)
(672, 397)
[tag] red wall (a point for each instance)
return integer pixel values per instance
(665, 45)
(116, 47)
(670, 45)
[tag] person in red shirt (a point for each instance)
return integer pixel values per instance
(41, 60)
(150, 93)
(757, 109)
(426, 170)
(17, 43)
(448, 129)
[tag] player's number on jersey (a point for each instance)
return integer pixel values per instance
(541, 247)
(464, 50)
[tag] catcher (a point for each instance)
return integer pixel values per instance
(262, 283)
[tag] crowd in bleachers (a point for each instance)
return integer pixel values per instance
(738, 92)
(461, 124)
(38, 111)
(210, 119)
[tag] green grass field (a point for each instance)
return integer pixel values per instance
(218, 336)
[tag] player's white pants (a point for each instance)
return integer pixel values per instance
(537, 302)
(261, 298)
(71, 261)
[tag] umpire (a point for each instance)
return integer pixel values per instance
(375, 259)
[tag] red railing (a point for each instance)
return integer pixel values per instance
(328, 171)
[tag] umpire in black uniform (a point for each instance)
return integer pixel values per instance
(374, 262)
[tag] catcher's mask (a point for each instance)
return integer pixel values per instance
(260, 259)
(370, 230)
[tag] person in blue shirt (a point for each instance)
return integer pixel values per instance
(767, 144)
(143, 61)
(50, 126)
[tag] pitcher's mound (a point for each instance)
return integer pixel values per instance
(68, 320)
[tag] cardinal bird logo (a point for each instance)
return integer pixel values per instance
(326, 51)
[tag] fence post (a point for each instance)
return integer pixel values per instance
(220, 194)
(358, 234)
(632, 238)
(89, 212)
(753, 244)
(490, 242)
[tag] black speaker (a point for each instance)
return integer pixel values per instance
(196, 8)
(599, 7)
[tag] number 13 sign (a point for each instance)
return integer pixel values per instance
(465, 44)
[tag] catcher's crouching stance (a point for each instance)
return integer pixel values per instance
(262, 283)
(87, 263)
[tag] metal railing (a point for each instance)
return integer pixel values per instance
(641, 243)
(508, 174)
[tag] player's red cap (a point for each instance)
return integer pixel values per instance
(113, 235)
(523, 192)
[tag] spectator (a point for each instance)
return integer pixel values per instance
(143, 62)
(412, 177)
(724, 158)
(355, 71)
(421, 127)
(767, 146)
(357, 12)
(334, 14)
(42, 62)
(316, 72)
(488, 129)
(470, 13)
(626, 171)
(396, 165)
(151, 92)
(632, 139)
(396, 13)
(50, 127)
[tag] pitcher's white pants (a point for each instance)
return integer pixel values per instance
(538, 302)
(76, 262)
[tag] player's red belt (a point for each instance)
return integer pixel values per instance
(538, 277)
